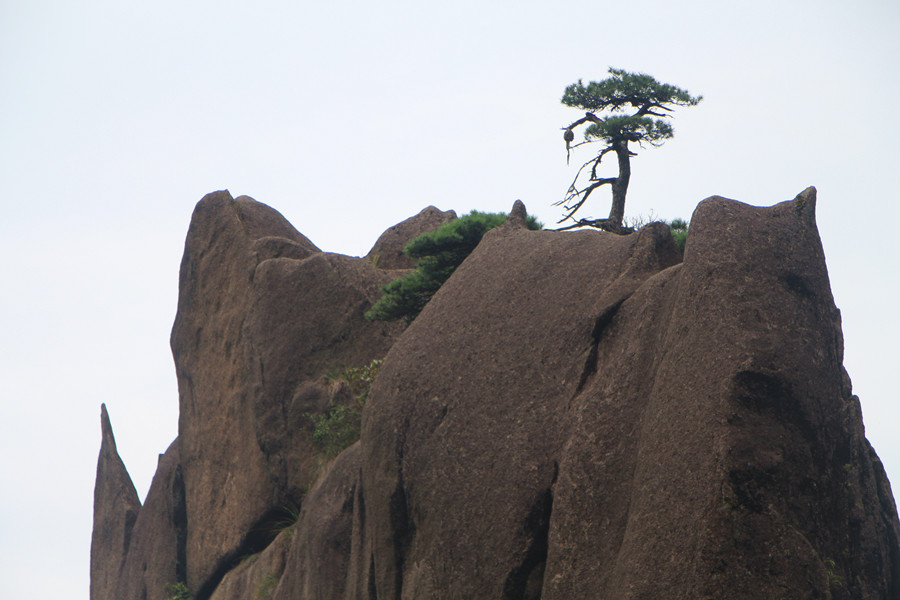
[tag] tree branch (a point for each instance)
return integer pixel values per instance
(572, 191)
(585, 194)
(589, 116)
(604, 224)
(597, 160)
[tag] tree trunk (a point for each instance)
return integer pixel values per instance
(620, 185)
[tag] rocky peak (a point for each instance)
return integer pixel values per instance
(116, 508)
(573, 415)
(387, 253)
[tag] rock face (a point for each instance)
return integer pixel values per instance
(573, 415)
(447, 514)
(155, 558)
(657, 430)
(261, 312)
(387, 252)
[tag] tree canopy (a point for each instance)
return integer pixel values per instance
(645, 98)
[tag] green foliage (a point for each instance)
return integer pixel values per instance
(439, 253)
(285, 517)
(360, 379)
(335, 430)
(633, 129)
(834, 579)
(679, 229)
(624, 89)
(404, 298)
(178, 591)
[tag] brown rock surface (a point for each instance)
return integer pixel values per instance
(116, 508)
(387, 253)
(156, 555)
(709, 447)
(315, 307)
(322, 547)
(261, 312)
(467, 419)
(256, 577)
(574, 417)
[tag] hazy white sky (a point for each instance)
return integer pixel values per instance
(117, 117)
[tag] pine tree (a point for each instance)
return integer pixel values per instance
(439, 253)
(645, 98)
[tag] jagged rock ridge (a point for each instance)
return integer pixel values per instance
(573, 415)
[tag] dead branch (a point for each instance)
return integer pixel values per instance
(604, 224)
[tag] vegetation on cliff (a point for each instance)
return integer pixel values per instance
(439, 253)
(621, 91)
(339, 427)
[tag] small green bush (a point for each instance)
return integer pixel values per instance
(439, 253)
(179, 591)
(340, 426)
(834, 580)
(337, 429)
(360, 379)
(679, 229)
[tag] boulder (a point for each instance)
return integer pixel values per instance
(116, 509)
(387, 253)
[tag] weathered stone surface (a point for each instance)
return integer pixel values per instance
(261, 313)
(116, 508)
(572, 416)
(322, 547)
(227, 488)
(257, 576)
(518, 216)
(466, 422)
(156, 555)
(316, 306)
(702, 462)
(387, 253)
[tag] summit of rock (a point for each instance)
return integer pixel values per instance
(388, 253)
(116, 509)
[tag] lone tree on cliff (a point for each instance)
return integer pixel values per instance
(622, 91)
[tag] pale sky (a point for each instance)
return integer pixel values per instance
(117, 117)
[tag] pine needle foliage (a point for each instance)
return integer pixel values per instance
(439, 253)
(178, 591)
(679, 229)
(623, 90)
